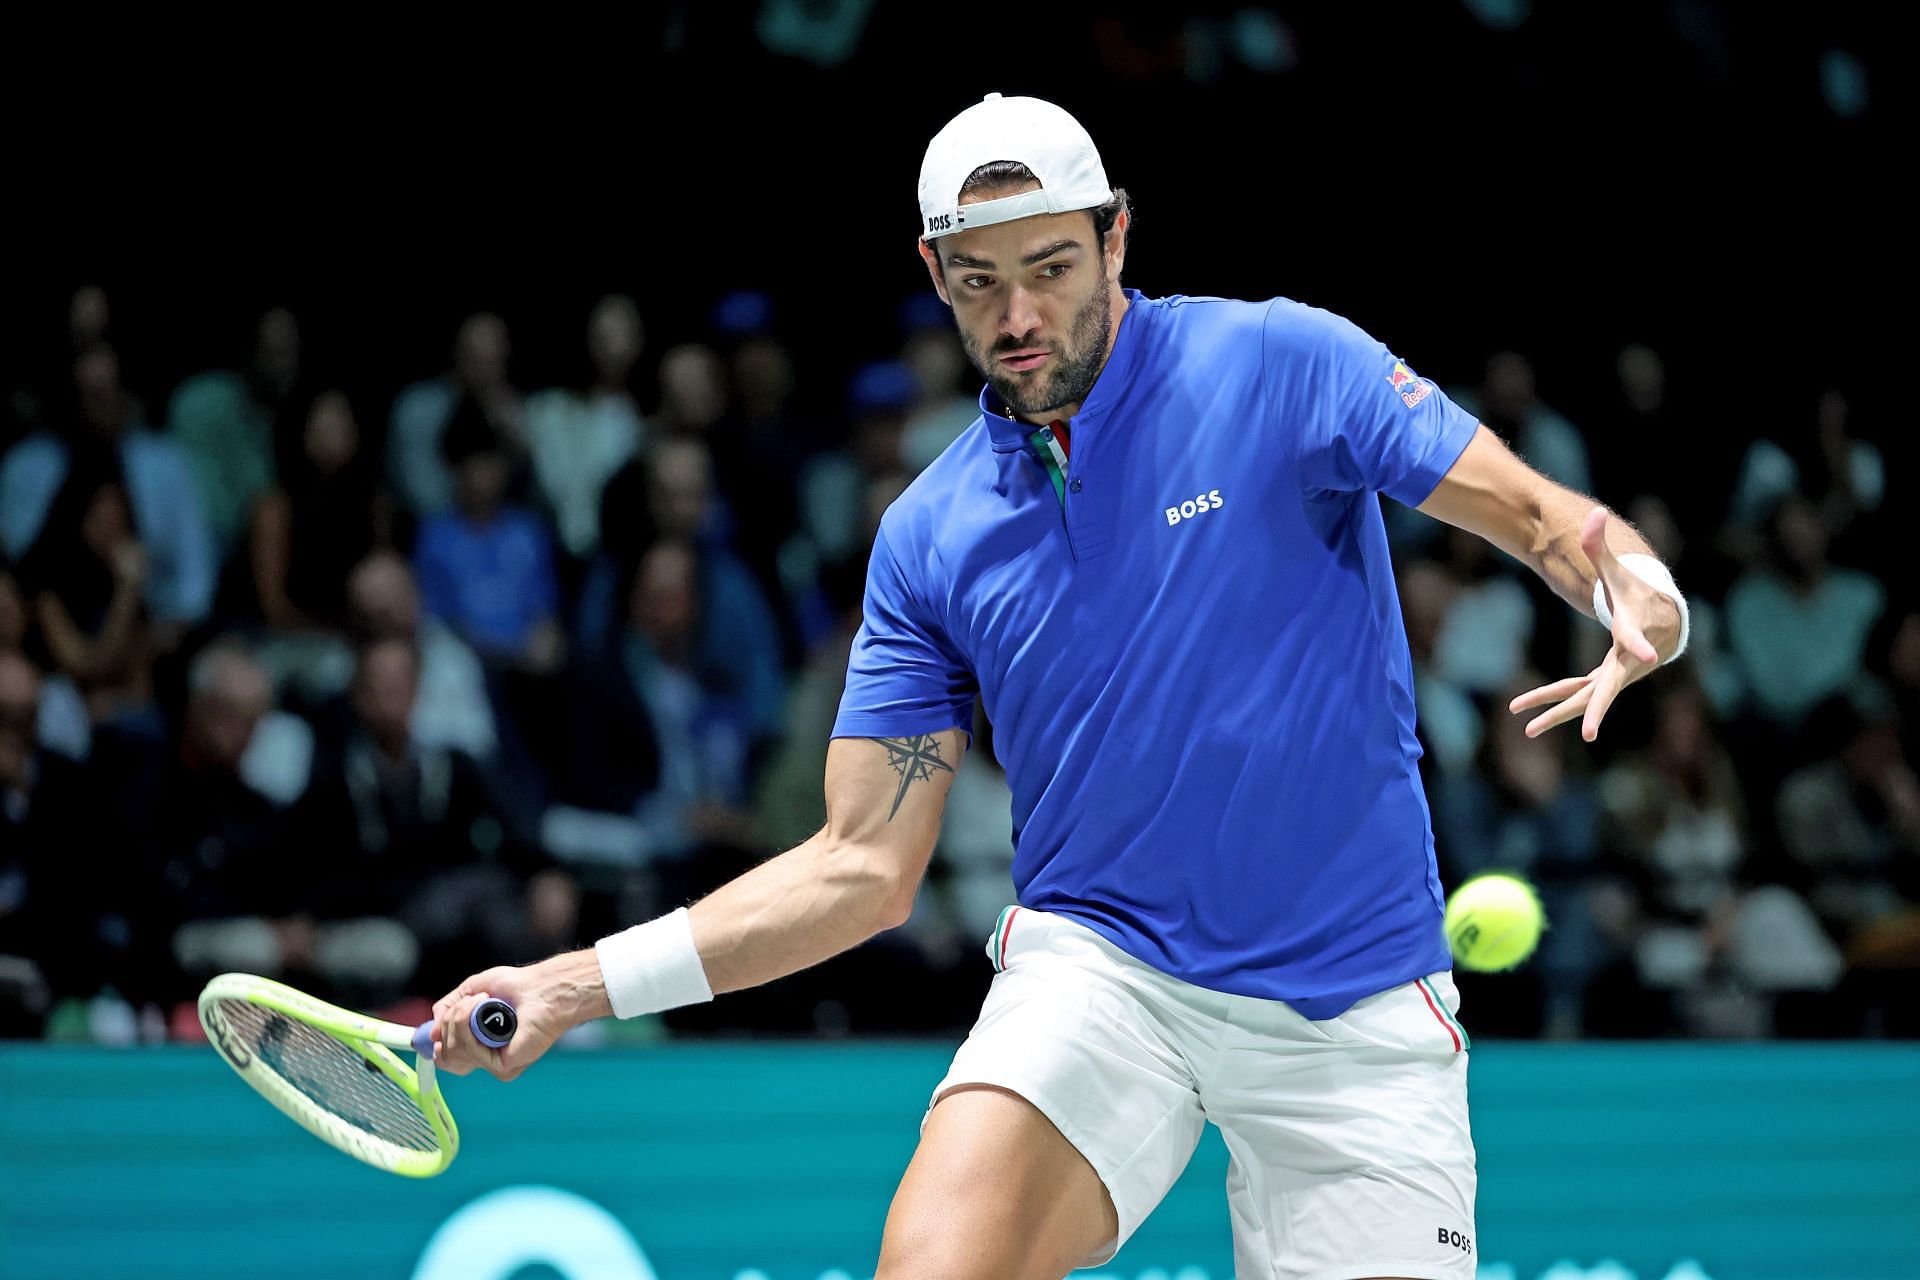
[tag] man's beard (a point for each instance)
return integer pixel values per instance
(1075, 366)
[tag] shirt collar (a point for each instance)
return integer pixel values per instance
(1009, 435)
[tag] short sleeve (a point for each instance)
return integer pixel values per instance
(903, 675)
(1361, 418)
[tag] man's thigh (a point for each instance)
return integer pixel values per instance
(1350, 1151)
(1078, 1072)
(994, 1192)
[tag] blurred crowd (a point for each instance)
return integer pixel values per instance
(369, 691)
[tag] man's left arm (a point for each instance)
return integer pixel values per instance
(1572, 542)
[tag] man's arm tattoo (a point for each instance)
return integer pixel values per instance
(914, 759)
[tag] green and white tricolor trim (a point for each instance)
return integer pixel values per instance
(1461, 1040)
(1046, 447)
(997, 942)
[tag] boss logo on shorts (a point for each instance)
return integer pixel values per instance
(1456, 1239)
(1192, 507)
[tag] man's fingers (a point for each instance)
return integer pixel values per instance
(1603, 691)
(1549, 692)
(444, 1005)
(448, 1028)
(1561, 714)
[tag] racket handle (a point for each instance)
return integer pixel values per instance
(492, 1021)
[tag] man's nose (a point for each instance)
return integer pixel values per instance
(1023, 315)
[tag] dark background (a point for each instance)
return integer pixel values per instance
(1666, 173)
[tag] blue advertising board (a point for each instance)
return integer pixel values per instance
(775, 1161)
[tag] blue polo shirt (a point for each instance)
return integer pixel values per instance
(1190, 650)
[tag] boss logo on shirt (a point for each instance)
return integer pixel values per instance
(1456, 1239)
(1192, 507)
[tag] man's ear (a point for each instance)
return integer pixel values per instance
(1115, 248)
(930, 256)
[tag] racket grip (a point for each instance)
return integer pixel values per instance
(492, 1021)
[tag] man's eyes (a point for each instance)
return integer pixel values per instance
(1052, 271)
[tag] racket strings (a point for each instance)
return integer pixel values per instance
(333, 1075)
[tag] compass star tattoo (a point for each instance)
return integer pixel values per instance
(914, 759)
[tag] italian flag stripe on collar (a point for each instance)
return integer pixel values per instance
(1052, 444)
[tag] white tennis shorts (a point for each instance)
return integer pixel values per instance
(1350, 1150)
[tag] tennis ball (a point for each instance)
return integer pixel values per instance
(1493, 922)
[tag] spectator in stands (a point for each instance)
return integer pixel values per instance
(758, 447)
(1845, 476)
(1898, 653)
(1799, 625)
(1676, 807)
(1707, 941)
(738, 641)
(210, 840)
(694, 400)
(416, 465)
(693, 391)
(34, 833)
(62, 723)
(1644, 416)
(85, 580)
(1483, 641)
(1448, 722)
(701, 727)
(327, 513)
(451, 708)
(223, 420)
(580, 436)
(737, 645)
(946, 400)
(486, 567)
(879, 400)
(89, 318)
(396, 831)
(159, 488)
(1851, 823)
(1524, 809)
(1508, 403)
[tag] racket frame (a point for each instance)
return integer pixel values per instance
(374, 1039)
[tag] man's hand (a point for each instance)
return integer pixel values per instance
(551, 998)
(1646, 628)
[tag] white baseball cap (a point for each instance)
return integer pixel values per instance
(1027, 131)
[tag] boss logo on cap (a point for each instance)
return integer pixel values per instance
(941, 222)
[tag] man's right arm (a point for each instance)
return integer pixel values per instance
(855, 877)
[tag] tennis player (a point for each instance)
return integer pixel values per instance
(1159, 559)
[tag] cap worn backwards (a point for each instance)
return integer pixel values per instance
(1028, 131)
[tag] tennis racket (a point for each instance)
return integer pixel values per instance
(337, 1072)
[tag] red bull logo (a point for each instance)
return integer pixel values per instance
(1412, 389)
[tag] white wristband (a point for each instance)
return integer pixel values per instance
(1654, 574)
(653, 967)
